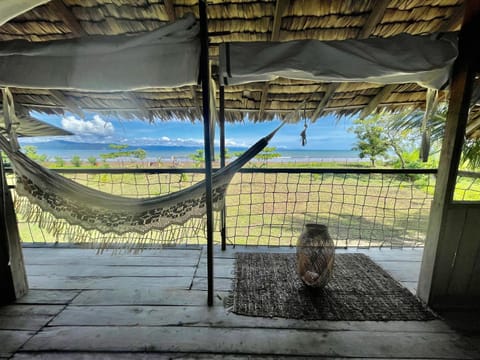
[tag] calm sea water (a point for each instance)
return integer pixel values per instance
(180, 154)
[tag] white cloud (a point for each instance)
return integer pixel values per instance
(165, 138)
(96, 126)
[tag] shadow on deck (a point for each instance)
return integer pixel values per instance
(153, 305)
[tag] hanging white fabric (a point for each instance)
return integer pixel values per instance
(27, 125)
(167, 57)
(425, 60)
(10, 9)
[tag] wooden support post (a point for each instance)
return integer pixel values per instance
(13, 278)
(205, 78)
(440, 252)
(221, 122)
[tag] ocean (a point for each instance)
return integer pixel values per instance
(67, 150)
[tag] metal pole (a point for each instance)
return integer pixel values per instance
(221, 121)
(205, 78)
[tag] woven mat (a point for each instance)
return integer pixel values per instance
(267, 285)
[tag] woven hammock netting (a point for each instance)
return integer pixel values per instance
(93, 214)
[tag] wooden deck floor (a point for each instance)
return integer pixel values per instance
(153, 306)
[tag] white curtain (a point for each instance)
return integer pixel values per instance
(425, 60)
(10, 9)
(167, 57)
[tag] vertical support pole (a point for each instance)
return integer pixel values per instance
(438, 255)
(205, 78)
(221, 121)
(13, 278)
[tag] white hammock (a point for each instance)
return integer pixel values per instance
(89, 209)
(107, 213)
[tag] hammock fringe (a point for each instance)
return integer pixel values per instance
(132, 242)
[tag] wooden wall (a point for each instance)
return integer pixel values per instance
(13, 278)
(456, 283)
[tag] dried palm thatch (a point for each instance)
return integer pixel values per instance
(231, 21)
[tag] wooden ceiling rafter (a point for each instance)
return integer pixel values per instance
(286, 112)
(376, 15)
(384, 93)
(170, 9)
(332, 88)
(67, 102)
(378, 11)
(455, 19)
(196, 101)
(142, 109)
(71, 22)
(68, 18)
(280, 8)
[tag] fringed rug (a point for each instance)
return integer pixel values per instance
(267, 285)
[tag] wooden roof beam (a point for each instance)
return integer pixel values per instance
(280, 8)
(370, 25)
(141, 107)
(69, 104)
(455, 20)
(170, 9)
(263, 100)
(323, 104)
(382, 95)
(70, 21)
(472, 126)
(196, 101)
(180, 108)
(75, 27)
(376, 15)
(66, 15)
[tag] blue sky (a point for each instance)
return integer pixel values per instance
(327, 133)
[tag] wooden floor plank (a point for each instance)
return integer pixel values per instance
(219, 271)
(218, 316)
(220, 284)
(70, 283)
(12, 340)
(27, 317)
(48, 297)
(160, 356)
(82, 253)
(129, 310)
(110, 271)
(143, 296)
(252, 341)
(50, 259)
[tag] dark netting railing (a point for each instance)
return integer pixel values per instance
(361, 208)
(467, 186)
(265, 206)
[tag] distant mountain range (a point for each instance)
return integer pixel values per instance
(80, 146)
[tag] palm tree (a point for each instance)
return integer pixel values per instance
(436, 126)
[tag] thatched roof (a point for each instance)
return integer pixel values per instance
(230, 21)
